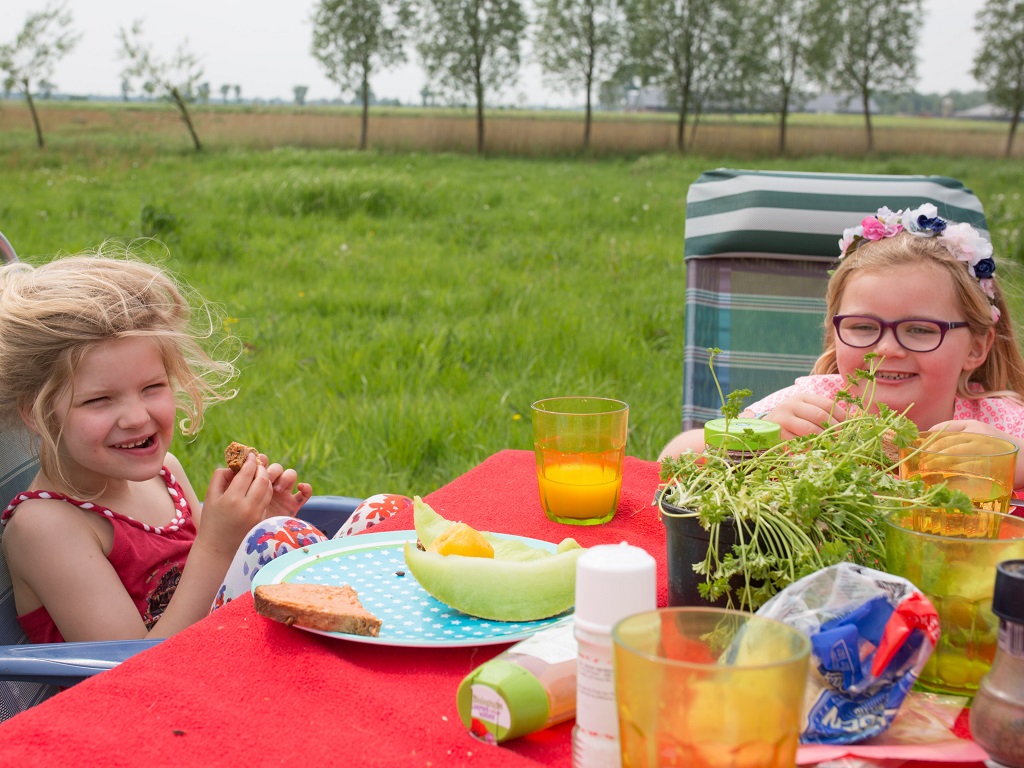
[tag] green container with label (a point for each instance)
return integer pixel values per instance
(526, 688)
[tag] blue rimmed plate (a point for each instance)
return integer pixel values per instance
(373, 564)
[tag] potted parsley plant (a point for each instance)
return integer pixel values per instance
(741, 531)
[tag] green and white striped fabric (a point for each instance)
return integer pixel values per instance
(759, 245)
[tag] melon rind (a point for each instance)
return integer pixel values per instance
(429, 525)
(521, 582)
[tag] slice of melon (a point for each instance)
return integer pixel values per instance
(521, 582)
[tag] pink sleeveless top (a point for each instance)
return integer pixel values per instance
(149, 560)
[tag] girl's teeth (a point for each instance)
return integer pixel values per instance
(893, 376)
(134, 445)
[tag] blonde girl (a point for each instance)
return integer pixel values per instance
(101, 354)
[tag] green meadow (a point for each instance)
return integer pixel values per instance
(397, 313)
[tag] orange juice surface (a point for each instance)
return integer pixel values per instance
(581, 491)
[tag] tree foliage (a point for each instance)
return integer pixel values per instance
(776, 55)
(999, 63)
(578, 43)
(175, 79)
(688, 47)
(30, 58)
(352, 39)
(867, 46)
(470, 48)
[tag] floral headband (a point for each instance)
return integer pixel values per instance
(962, 240)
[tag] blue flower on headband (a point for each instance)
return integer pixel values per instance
(924, 221)
(984, 268)
(934, 225)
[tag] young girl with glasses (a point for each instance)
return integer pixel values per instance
(920, 293)
(102, 355)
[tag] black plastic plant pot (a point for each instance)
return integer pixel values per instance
(688, 543)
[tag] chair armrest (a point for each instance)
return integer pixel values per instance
(328, 513)
(7, 254)
(65, 663)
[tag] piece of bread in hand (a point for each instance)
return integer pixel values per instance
(316, 606)
(236, 454)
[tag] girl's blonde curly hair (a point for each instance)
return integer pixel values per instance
(51, 315)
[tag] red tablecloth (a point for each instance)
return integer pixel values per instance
(238, 690)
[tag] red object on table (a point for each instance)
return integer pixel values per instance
(236, 689)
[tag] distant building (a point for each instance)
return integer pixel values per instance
(838, 104)
(983, 112)
(649, 98)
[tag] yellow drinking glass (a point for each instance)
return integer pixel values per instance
(951, 556)
(979, 465)
(708, 687)
(580, 445)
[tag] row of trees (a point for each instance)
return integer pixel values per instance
(757, 55)
(707, 54)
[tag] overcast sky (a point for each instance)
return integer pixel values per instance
(263, 45)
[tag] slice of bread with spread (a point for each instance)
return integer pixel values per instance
(316, 606)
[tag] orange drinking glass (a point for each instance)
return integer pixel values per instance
(951, 556)
(580, 444)
(708, 688)
(979, 465)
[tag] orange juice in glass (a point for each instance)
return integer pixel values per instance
(580, 444)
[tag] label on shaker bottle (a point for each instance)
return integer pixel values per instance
(595, 681)
(595, 739)
(612, 581)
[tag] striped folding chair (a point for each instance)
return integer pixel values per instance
(17, 468)
(759, 246)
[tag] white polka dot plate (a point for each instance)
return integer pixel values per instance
(373, 564)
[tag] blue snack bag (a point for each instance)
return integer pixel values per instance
(871, 634)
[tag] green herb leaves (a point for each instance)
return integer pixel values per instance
(802, 505)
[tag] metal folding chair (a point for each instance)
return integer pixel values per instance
(758, 249)
(31, 673)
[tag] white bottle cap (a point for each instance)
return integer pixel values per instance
(613, 581)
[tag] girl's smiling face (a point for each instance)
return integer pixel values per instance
(120, 418)
(925, 380)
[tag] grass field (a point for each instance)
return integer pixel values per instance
(399, 311)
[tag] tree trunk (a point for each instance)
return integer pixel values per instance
(693, 126)
(684, 106)
(586, 120)
(479, 117)
(783, 117)
(866, 99)
(35, 116)
(183, 108)
(366, 111)
(1009, 139)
